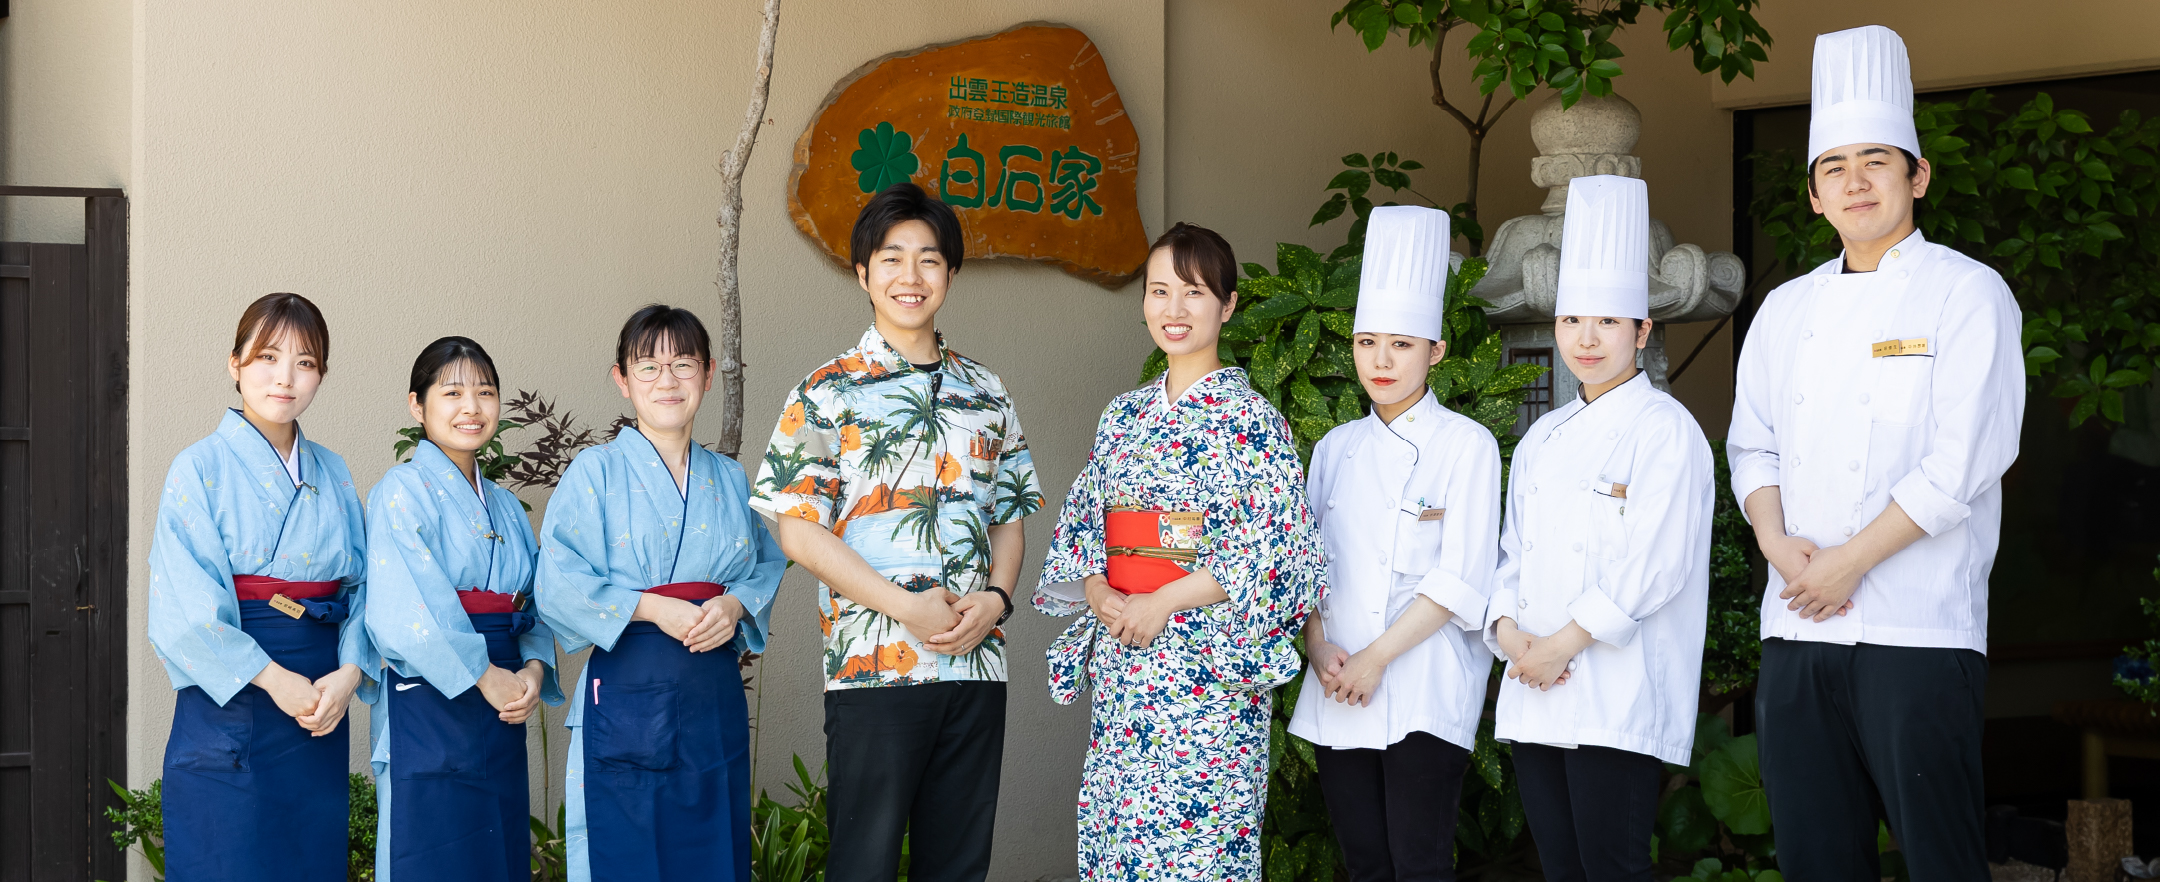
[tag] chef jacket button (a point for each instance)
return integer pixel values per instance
(1806, 334)
(1582, 485)
(1901, 274)
(1533, 489)
(1529, 546)
(1848, 531)
(1863, 398)
(1792, 530)
(1383, 559)
(1822, 280)
(1856, 506)
(1611, 434)
(1576, 547)
(1331, 503)
(1523, 603)
(1852, 465)
(1409, 457)
(1893, 253)
(1798, 398)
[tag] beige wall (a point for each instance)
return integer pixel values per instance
(65, 74)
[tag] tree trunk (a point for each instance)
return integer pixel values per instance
(732, 164)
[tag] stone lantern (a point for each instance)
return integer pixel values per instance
(1686, 283)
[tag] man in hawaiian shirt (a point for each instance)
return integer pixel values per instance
(899, 477)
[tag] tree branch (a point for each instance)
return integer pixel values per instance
(1439, 93)
(732, 165)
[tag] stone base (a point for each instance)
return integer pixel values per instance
(2099, 831)
(2019, 871)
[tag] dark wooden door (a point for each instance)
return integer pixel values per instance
(63, 575)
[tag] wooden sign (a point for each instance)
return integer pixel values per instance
(1021, 132)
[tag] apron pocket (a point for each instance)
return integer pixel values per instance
(632, 727)
(436, 737)
(208, 738)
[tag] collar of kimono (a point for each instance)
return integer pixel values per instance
(1222, 379)
(248, 443)
(1905, 252)
(875, 350)
(439, 465)
(644, 454)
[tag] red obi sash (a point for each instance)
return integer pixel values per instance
(477, 601)
(264, 588)
(691, 591)
(1145, 547)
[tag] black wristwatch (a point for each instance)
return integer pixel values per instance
(1004, 596)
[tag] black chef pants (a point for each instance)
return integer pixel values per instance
(1591, 810)
(1394, 809)
(1852, 734)
(917, 761)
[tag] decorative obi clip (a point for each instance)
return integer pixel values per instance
(1146, 548)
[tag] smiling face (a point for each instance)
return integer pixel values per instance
(665, 388)
(1599, 349)
(1866, 190)
(1184, 317)
(460, 410)
(279, 380)
(906, 278)
(1392, 367)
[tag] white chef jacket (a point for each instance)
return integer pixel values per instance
(1842, 433)
(1633, 571)
(1371, 484)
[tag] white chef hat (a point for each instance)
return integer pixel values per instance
(1863, 92)
(1402, 288)
(1605, 248)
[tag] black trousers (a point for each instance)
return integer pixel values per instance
(1591, 810)
(916, 761)
(1394, 809)
(1852, 734)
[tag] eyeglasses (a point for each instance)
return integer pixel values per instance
(648, 371)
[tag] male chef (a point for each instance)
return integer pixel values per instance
(1408, 501)
(1877, 405)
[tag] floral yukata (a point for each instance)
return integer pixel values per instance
(1176, 771)
(911, 468)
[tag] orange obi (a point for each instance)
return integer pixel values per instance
(1145, 547)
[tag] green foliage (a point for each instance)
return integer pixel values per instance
(1732, 644)
(789, 843)
(1720, 808)
(885, 157)
(141, 819)
(1713, 870)
(360, 828)
(550, 846)
(1297, 842)
(1565, 44)
(1489, 818)
(2068, 214)
(495, 463)
(1357, 178)
(2145, 688)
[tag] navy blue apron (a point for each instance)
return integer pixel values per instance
(459, 805)
(667, 761)
(250, 796)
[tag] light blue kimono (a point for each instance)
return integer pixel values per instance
(431, 535)
(616, 526)
(230, 509)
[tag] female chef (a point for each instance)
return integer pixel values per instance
(451, 557)
(255, 576)
(1604, 576)
(1408, 501)
(655, 559)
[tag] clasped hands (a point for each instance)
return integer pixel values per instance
(316, 705)
(1132, 619)
(1819, 582)
(1540, 662)
(950, 624)
(1349, 678)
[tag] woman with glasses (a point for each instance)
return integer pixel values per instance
(450, 555)
(655, 560)
(1186, 548)
(256, 567)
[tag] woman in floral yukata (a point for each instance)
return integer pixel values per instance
(1186, 548)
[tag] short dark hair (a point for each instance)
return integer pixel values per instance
(274, 314)
(1200, 256)
(657, 323)
(1912, 168)
(900, 203)
(447, 353)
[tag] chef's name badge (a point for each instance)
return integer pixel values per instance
(1181, 529)
(1907, 346)
(1432, 514)
(288, 606)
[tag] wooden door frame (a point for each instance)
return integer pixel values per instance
(105, 235)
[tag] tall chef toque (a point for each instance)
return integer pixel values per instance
(1863, 92)
(1605, 248)
(1402, 288)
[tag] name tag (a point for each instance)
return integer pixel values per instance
(1907, 346)
(1432, 514)
(1619, 490)
(288, 606)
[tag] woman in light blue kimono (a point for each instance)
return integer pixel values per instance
(654, 558)
(255, 577)
(450, 556)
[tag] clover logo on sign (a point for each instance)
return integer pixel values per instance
(887, 157)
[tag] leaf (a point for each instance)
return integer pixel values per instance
(1356, 160)
(1351, 180)
(1275, 307)
(1605, 67)
(1329, 210)
(1732, 787)
(1684, 822)
(1711, 735)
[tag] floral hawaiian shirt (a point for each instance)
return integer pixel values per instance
(911, 468)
